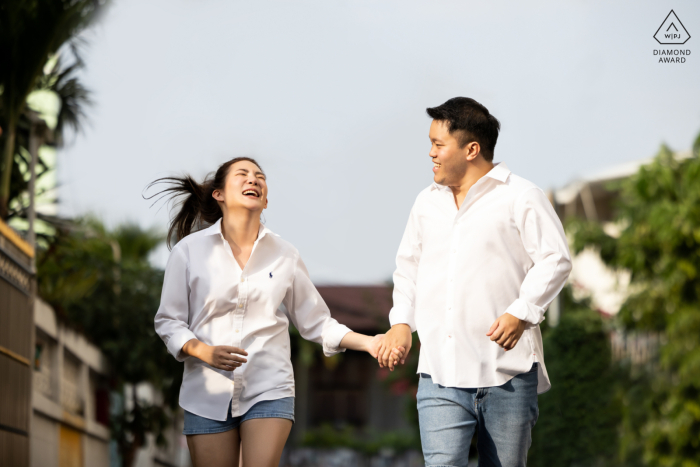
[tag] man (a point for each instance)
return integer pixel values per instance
(482, 257)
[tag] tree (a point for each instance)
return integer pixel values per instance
(578, 418)
(100, 282)
(659, 244)
(30, 33)
(60, 82)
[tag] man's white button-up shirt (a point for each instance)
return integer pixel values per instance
(207, 296)
(458, 270)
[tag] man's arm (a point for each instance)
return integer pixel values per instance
(545, 242)
(402, 315)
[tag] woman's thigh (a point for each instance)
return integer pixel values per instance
(262, 441)
(216, 449)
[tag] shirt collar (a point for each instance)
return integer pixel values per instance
(215, 229)
(500, 172)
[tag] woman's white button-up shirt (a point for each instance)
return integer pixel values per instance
(206, 296)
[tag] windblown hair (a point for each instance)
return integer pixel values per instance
(198, 208)
(469, 121)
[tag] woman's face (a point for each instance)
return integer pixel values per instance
(245, 187)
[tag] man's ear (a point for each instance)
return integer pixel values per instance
(216, 194)
(473, 149)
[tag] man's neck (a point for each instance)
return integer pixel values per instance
(241, 227)
(475, 170)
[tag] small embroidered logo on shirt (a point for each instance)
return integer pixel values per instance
(270, 275)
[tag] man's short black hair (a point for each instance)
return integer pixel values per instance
(469, 121)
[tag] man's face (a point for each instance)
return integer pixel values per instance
(449, 160)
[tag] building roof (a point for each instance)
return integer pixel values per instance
(570, 191)
(361, 308)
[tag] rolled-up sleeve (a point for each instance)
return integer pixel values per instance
(310, 314)
(544, 240)
(407, 258)
(172, 318)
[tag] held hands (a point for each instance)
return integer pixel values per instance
(394, 346)
(506, 331)
(223, 357)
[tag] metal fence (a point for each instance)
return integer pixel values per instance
(17, 287)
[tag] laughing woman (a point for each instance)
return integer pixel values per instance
(221, 314)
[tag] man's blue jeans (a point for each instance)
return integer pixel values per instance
(502, 416)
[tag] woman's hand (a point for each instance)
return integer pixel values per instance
(371, 345)
(375, 344)
(223, 357)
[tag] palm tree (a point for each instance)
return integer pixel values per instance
(30, 33)
(72, 98)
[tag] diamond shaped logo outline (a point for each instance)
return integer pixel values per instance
(672, 24)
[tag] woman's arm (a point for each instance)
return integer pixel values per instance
(222, 357)
(172, 319)
(311, 316)
(369, 344)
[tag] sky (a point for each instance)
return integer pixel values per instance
(330, 97)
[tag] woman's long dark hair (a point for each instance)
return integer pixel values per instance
(198, 207)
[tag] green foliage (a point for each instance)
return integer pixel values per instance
(659, 244)
(101, 283)
(579, 415)
(369, 443)
(30, 33)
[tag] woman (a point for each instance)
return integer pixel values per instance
(220, 313)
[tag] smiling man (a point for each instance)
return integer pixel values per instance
(482, 257)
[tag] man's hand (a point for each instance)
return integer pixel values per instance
(375, 344)
(223, 357)
(389, 354)
(506, 331)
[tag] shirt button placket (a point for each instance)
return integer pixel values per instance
(237, 340)
(451, 338)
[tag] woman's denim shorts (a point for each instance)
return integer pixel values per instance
(279, 408)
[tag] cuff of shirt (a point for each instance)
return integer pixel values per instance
(402, 314)
(525, 311)
(176, 342)
(331, 342)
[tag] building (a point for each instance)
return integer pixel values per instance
(594, 199)
(17, 285)
(70, 398)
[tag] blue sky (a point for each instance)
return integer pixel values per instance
(330, 97)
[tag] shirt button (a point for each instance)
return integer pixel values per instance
(450, 337)
(240, 305)
(242, 279)
(237, 330)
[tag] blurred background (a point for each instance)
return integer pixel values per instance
(99, 98)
